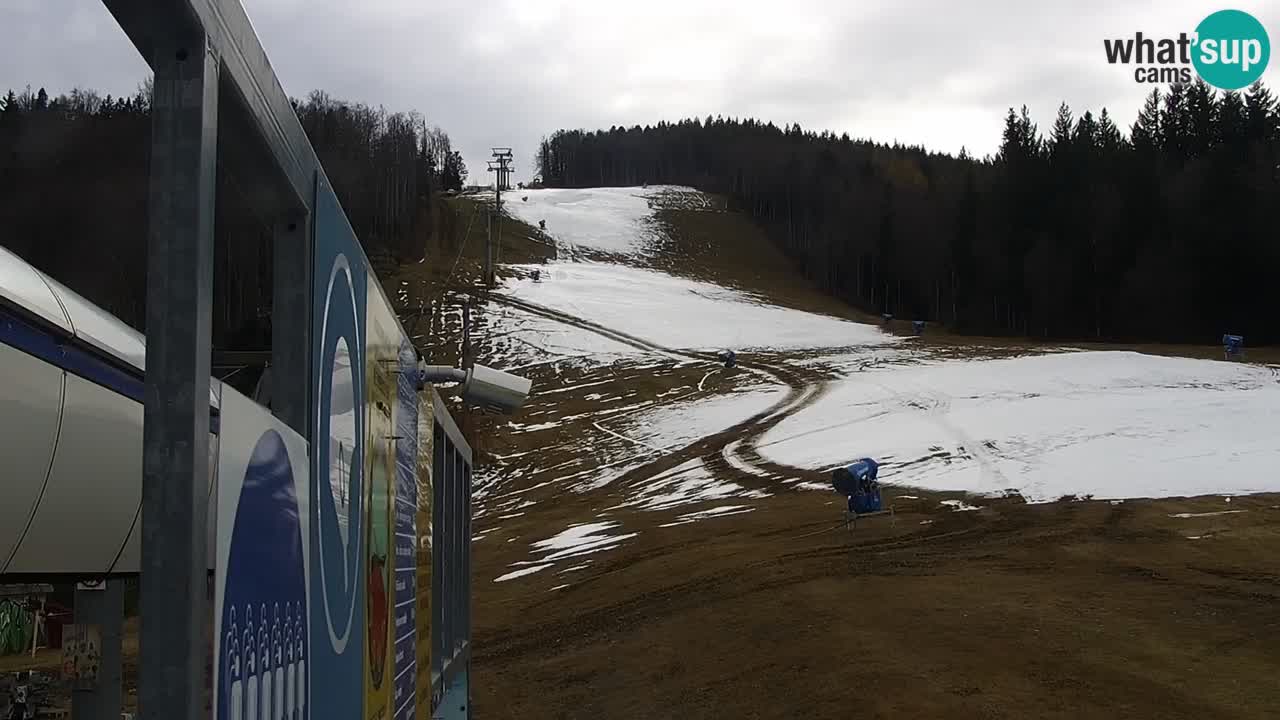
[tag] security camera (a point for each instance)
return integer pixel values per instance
(494, 389)
(490, 389)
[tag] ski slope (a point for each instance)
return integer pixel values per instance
(612, 220)
(661, 308)
(1105, 424)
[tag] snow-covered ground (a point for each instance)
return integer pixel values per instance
(524, 339)
(660, 308)
(689, 483)
(680, 313)
(678, 423)
(614, 220)
(1107, 424)
(572, 544)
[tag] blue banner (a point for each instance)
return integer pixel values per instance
(406, 508)
(337, 587)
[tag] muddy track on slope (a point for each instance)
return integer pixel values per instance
(804, 387)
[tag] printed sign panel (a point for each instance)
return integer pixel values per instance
(423, 526)
(81, 655)
(404, 625)
(337, 583)
(261, 644)
(382, 368)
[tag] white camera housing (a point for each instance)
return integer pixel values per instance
(483, 386)
(495, 390)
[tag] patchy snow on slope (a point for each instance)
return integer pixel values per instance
(689, 483)
(680, 313)
(521, 572)
(578, 540)
(1106, 424)
(1206, 514)
(519, 339)
(856, 359)
(719, 511)
(960, 505)
(673, 425)
(615, 220)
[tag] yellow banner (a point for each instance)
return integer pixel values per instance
(382, 344)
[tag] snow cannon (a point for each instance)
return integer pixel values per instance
(858, 483)
(918, 326)
(887, 318)
(542, 224)
(1233, 345)
(729, 359)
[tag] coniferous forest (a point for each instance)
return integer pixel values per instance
(73, 178)
(1165, 232)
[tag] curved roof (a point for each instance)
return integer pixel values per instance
(26, 287)
(99, 328)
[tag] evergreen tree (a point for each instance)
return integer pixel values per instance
(1260, 113)
(1146, 134)
(1173, 123)
(1201, 116)
(1085, 234)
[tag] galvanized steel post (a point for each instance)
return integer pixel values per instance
(175, 465)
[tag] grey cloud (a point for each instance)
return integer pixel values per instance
(506, 72)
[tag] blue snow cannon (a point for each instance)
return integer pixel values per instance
(1233, 345)
(857, 482)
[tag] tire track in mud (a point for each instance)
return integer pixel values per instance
(804, 387)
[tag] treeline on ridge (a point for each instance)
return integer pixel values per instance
(73, 196)
(1162, 233)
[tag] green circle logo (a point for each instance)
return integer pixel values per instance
(1232, 49)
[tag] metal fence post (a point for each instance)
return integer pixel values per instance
(291, 321)
(174, 602)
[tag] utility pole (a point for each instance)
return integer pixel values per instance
(501, 165)
(466, 334)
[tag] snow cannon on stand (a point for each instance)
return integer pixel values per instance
(858, 483)
(1233, 346)
(918, 327)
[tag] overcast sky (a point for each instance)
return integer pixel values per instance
(493, 72)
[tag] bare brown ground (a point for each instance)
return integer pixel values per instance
(1064, 610)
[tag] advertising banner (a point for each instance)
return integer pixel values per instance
(382, 369)
(261, 613)
(336, 587)
(404, 625)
